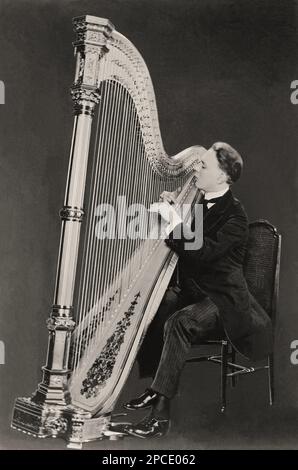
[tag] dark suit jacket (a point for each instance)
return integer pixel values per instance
(216, 270)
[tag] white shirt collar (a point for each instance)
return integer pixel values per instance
(211, 195)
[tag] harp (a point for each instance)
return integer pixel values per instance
(107, 289)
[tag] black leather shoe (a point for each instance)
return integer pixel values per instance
(145, 400)
(149, 427)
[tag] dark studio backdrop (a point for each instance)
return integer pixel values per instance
(221, 70)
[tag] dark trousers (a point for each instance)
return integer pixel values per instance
(176, 327)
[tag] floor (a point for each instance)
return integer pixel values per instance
(248, 423)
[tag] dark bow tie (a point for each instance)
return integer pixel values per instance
(205, 202)
(210, 201)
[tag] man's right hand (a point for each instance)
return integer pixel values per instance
(170, 197)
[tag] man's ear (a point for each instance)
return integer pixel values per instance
(222, 177)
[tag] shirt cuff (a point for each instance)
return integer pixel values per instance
(175, 221)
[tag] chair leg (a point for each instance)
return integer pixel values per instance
(224, 370)
(233, 359)
(271, 378)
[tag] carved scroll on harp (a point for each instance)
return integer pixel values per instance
(107, 291)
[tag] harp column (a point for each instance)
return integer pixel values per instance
(90, 45)
(34, 415)
(49, 411)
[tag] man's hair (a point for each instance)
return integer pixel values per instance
(229, 160)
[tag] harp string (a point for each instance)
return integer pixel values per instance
(110, 267)
(110, 119)
(121, 173)
(102, 122)
(128, 164)
(132, 154)
(103, 153)
(116, 132)
(144, 202)
(127, 157)
(129, 154)
(84, 266)
(92, 246)
(110, 198)
(134, 199)
(113, 245)
(107, 259)
(100, 259)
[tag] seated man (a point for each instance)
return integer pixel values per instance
(212, 299)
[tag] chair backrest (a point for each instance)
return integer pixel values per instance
(262, 264)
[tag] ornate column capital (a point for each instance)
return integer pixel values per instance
(84, 100)
(90, 45)
(92, 30)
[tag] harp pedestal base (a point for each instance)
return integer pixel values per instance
(73, 424)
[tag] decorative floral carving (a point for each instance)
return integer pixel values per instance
(84, 99)
(90, 68)
(72, 213)
(55, 425)
(102, 368)
(60, 323)
(56, 380)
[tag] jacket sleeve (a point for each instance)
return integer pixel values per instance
(232, 233)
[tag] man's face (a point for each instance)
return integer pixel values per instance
(209, 176)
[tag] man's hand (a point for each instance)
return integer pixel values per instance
(170, 197)
(166, 211)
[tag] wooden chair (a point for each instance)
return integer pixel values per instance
(261, 270)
